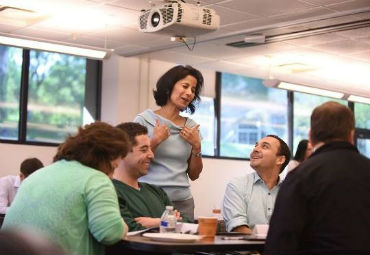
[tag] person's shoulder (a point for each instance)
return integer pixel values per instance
(146, 185)
(190, 122)
(147, 116)
(8, 177)
(148, 113)
(152, 188)
(242, 181)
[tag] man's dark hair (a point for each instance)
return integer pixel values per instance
(283, 151)
(133, 129)
(301, 150)
(30, 165)
(331, 121)
(167, 81)
(95, 145)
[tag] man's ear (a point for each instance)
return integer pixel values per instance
(310, 138)
(281, 160)
(21, 176)
(351, 137)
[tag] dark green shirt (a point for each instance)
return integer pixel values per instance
(148, 201)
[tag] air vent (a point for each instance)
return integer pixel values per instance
(19, 17)
(207, 17)
(144, 20)
(167, 14)
(243, 44)
(179, 14)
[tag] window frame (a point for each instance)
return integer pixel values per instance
(290, 118)
(93, 93)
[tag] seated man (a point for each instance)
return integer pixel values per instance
(141, 204)
(250, 200)
(9, 184)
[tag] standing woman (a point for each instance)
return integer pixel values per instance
(175, 140)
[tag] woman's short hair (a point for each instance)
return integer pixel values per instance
(167, 81)
(95, 145)
(301, 150)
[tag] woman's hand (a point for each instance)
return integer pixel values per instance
(160, 133)
(191, 135)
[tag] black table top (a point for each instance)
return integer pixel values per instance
(144, 244)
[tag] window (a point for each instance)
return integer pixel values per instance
(249, 111)
(204, 115)
(362, 133)
(303, 107)
(10, 81)
(362, 115)
(47, 95)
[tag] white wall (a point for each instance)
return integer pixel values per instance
(127, 90)
(12, 155)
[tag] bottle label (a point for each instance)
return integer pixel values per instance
(164, 223)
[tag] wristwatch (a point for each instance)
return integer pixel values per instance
(199, 154)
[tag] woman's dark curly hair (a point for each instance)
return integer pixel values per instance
(167, 81)
(95, 145)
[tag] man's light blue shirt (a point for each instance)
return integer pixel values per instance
(248, 201)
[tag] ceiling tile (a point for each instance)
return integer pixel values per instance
(356, 33)
(314, 40)
(38, 33)
(326, 2)
(343, 47)
(230, 16)
(351, 5)
(267, 7)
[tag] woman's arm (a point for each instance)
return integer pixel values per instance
(191, 135)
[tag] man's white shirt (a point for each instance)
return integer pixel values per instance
(8, 189)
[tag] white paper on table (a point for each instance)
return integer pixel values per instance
(188, 228)
(260, 230)
(134, 233)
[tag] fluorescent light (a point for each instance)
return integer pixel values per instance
(310, 90)
(256, 38)
(31, 44)
(364, 100)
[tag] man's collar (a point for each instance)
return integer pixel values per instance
(257, 178)
(318, 145)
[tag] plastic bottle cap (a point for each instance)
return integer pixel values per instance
(169, 207)
(216, 211)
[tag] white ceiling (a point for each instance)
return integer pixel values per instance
(338, 60)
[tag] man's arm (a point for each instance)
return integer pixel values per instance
(128, 217)
(4, 202)
(235, 209)
(242, 229)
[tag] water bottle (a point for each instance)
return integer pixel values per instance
(168, 221)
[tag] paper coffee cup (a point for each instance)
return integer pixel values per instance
(207, 226)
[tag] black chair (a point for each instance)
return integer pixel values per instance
(2, 217)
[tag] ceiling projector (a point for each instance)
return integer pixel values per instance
(179, 19)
